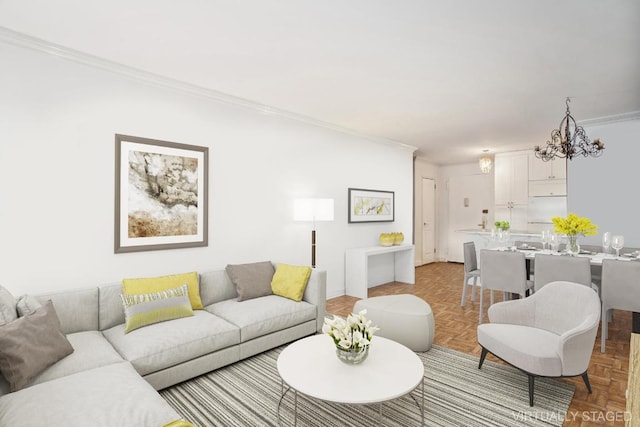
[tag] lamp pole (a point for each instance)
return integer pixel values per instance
(313, 248)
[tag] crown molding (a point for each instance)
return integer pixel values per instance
(15, 38)
(624, 117)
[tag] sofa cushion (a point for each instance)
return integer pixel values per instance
(111, 312)
(147, 309)
(161, 283)
(113, 395)
(290, 281)
(264, 315)
(27, 304)
(216, 286)
(30, 344)
(8, 311)
(91, 350)
(530, 349)
(77, 310)
(251, 280)
(170, 343)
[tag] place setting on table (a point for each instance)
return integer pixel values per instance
(568, 229)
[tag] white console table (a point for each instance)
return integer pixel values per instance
(399, 260)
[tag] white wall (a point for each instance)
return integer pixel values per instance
(605, 189)
(484, 192)
(443, 175)
(58, 118)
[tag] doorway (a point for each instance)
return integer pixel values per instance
(428, 233)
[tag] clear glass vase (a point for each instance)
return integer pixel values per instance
(573, 247)
(352, 356)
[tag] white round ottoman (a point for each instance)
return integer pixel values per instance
(403, 318)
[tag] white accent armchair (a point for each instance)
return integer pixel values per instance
(549, 334)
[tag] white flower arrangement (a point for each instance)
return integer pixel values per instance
(353, 334)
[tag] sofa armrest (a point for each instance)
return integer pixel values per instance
(316, 294)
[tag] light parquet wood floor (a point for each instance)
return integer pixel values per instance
(440, 284)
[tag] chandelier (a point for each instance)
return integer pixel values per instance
(569, 140)
(485, 162)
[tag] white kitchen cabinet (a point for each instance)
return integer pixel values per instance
(515, 214)
(552, 169)
(512, 188)
(548, 187)
(547, 178)
(511, 178)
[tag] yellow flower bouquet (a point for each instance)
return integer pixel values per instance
(573, 225)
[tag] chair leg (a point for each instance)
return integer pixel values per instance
(473, 289)
(482, 357)
(585, 378)
(603, 332)
(481, 304)
(491, 293)
(464, 291)
(531, 384)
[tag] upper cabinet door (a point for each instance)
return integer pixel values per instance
(511, 179)
(559, 168)
(502, 175)
(553, 169)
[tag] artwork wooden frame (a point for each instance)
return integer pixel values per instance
(371, 205)
(161, 195)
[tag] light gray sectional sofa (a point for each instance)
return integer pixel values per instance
(111, 378)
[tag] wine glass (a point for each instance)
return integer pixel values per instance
(606, 242)
(545, 238)
(617, 243)
(554, 241)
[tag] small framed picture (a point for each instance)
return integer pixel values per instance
(160, 195)
(371, 205)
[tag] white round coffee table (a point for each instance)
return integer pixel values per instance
(310, 366)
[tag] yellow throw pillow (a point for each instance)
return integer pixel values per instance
(290, 281)
(179, 423)
(162, 283)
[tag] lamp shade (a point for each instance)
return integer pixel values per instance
(313, 210)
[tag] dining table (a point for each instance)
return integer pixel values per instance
(595, 259)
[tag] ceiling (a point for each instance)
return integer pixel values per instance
(449, 77)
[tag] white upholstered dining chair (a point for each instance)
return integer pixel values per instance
(504, 271)
(551, 268)
(620, 290)
(549, 334)
(471, 271)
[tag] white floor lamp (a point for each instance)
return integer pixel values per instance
(313, 210)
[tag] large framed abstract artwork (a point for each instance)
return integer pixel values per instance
(160, 195)
(371, 205)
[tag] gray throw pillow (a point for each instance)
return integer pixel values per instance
(27, 304)
(31, 344)
(251, 280)
(7, 307)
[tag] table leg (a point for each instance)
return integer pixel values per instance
(422, 409)
(295, 407)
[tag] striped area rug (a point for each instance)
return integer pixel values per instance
(457, 393)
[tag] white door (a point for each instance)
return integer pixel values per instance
(468, 196)
(428, 220)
